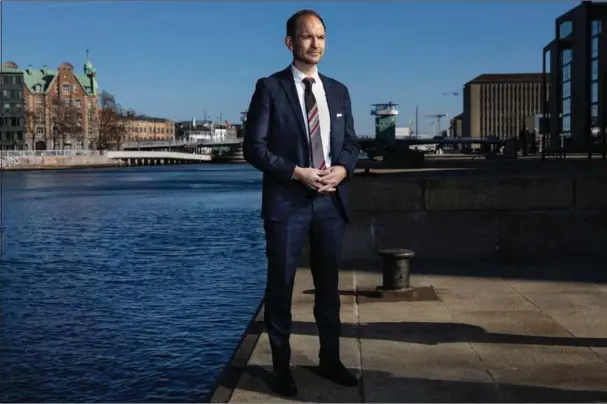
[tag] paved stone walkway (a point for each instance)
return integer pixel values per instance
(485, 339)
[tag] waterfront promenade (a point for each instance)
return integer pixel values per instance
(510, 261)
(485, 338)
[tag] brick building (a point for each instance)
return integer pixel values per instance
(144, 128)
(60, 106)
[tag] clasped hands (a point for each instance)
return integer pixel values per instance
(322, 181)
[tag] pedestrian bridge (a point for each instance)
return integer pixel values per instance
(137, 157)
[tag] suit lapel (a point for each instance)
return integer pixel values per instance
(333, 104)
(288, 83)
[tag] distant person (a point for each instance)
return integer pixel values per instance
(523, 138)
(300, 134)
(534, 142)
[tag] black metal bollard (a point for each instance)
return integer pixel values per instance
(396, 268)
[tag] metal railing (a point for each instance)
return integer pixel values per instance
(51, 153)
(155, 143)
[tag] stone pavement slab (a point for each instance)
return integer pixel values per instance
(254, 383)
(485, 339)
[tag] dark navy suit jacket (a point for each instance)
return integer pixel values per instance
(275, 141)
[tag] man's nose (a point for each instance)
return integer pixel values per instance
(315, 42)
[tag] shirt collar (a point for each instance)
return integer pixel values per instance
(299, 76)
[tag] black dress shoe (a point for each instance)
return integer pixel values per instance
(284, 384)
(338, 374)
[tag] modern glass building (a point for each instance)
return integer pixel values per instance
(12, 109)
(573, 90)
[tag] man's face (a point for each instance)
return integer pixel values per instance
(308, 46)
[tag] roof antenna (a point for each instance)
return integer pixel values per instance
(87, 54)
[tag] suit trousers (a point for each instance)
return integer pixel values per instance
(319, 219)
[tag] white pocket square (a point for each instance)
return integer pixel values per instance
(339, 115)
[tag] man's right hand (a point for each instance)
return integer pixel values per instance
(311, 178)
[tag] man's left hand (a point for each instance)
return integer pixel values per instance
(331, 177)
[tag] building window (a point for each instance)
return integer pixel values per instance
(567, 56)
(594, 70)
(77, 103)
(565, 29)
(594, 92)
(595, 47)
(595, 27)
(38, 103)
(594, 112)
(567, 72)
(567, 89)
(66, 88)
(40, 130)
(566, 124)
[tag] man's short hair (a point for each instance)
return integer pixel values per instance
(292, 22)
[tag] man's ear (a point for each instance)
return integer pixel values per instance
(289, 43)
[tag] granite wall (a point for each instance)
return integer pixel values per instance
(54, 162)
(505, 217)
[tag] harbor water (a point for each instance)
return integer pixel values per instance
(126, 285)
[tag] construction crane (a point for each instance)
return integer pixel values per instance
(438, 117)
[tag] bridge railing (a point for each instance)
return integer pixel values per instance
(156, 143)
(201, 143)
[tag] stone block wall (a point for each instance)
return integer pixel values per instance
(50, 162)
(507, 217)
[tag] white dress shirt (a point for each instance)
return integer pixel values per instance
(323, 109)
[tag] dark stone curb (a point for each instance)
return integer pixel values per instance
(228, 379)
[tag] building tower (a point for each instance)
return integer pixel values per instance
(91, 73)
(385, 122)
(91, 132)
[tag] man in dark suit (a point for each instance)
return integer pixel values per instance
(300, 134)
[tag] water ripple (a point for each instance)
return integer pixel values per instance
(126, 285)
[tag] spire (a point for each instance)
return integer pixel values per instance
(89, 70)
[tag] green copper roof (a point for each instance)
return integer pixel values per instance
(9, 69)
(44, 77)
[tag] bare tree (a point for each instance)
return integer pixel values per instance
(93, 125)
(33, 119)
(66, 122)
(111, 125)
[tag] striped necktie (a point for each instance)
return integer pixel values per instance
(317, 155)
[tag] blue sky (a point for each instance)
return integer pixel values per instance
(177, 59)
